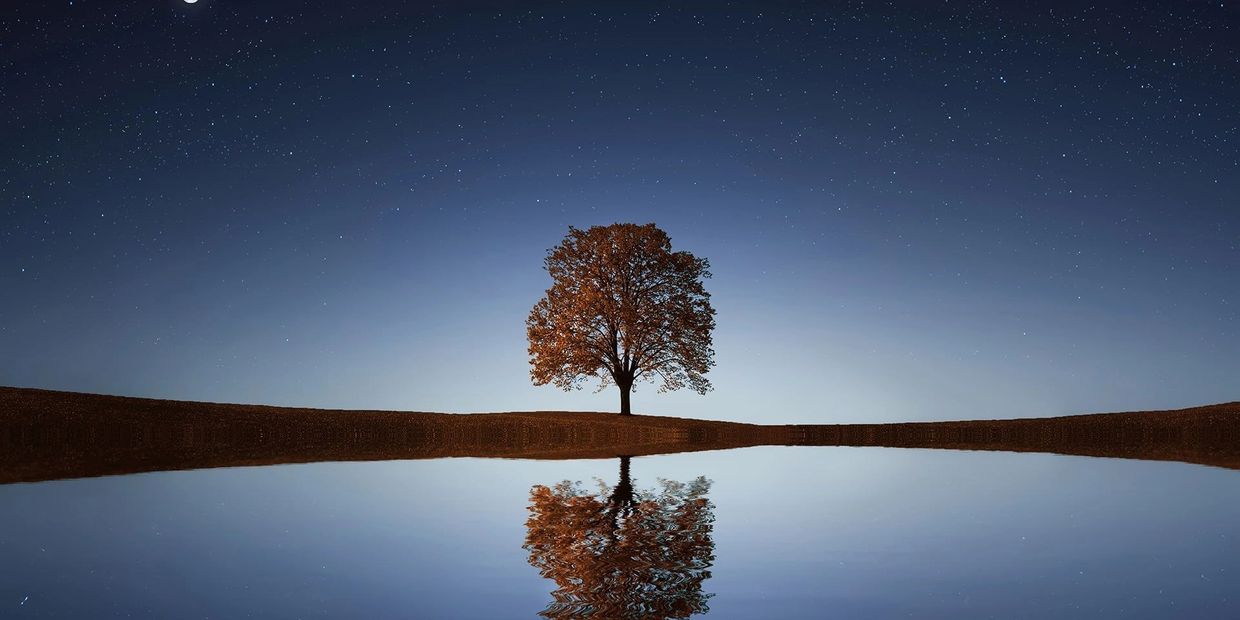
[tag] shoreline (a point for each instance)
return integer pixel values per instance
(53, 435)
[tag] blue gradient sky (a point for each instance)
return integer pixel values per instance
(911, 211)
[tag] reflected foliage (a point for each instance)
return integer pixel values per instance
(623, 552)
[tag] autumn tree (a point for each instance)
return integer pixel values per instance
(623, 553)
(622, 307)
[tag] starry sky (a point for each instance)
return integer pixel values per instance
(920, 210)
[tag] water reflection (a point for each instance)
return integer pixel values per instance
(623, 552)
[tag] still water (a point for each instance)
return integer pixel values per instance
(758, 532)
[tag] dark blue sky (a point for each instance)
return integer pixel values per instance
(913, 211)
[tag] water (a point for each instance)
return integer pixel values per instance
(779, 532)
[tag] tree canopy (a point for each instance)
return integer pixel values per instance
(622, 307)
(623, 553)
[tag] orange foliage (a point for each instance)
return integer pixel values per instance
(622, 307)
(631, 555)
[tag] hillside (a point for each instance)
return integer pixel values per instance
(48, 435)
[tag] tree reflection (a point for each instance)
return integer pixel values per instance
(623, 552)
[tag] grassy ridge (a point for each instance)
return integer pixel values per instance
(47, 435)
(1207, 435)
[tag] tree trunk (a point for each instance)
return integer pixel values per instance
(625, 390)
(624, 488)
(620, 504)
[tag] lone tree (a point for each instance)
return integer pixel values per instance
(622, 307)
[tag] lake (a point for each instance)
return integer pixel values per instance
(781, 532)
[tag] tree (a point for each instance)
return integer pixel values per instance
(622, 307)
(623, 553)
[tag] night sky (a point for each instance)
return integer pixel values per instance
(913, 211)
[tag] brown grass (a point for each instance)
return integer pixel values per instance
(47, 435)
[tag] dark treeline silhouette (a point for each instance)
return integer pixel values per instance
(47, 435)
(623, 552)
